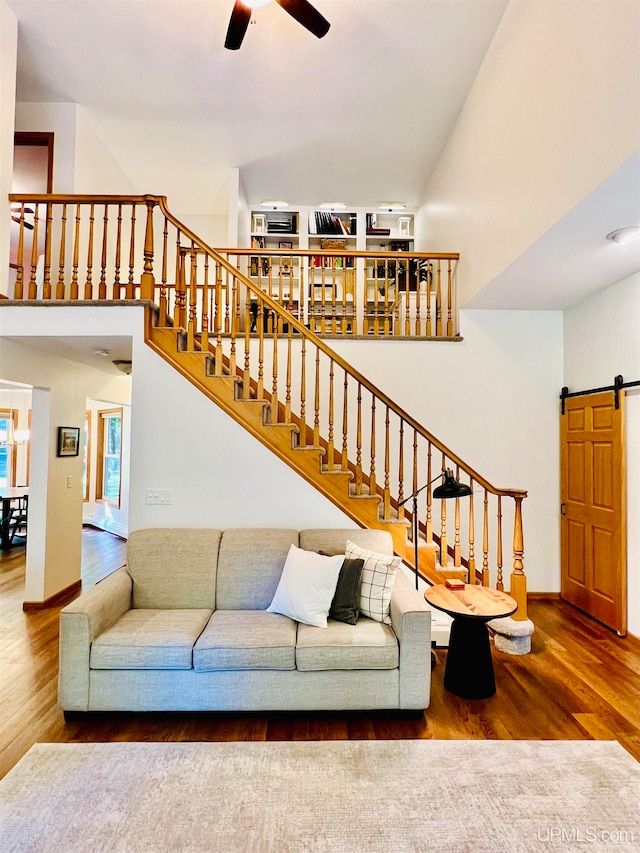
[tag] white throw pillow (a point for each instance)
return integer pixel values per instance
(378, 577)
(307, 586)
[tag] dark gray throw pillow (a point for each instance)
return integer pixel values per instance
(345, 606)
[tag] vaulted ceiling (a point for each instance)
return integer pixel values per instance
(361, 115)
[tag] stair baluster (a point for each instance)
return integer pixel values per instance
(61, 260)
(102, 284)
(499, 580)
(33, 286)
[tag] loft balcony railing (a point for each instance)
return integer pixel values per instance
(339, 292)
(358, 294)
(112, 248)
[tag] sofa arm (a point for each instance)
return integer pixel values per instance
(80, 623)
(411, 622)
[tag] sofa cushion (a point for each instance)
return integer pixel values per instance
(250, 563)
(173, 567)
(366, 645)
(149, 639)
(334, 540)
(246, 639)
(307, 586)
(378, 577)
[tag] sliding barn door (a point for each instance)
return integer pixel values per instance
(593, 511)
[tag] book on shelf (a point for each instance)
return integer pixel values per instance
(257, 243)
(282, 223)
(323, 222)
(378, 232)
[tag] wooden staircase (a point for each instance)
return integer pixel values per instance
(229, 390)
(336, 429)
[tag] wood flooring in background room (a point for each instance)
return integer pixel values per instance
(580, 682)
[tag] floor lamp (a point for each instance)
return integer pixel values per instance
(450, 488)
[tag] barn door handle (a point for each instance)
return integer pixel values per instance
(562, 509)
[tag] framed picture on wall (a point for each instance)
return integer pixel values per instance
(68, 441)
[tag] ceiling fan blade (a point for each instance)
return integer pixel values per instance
(238, 23)
(307, 15)
(26, 224)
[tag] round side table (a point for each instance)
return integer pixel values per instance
(469, 667)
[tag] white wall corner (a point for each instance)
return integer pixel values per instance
(8, 61)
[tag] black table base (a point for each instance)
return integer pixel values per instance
(469, 669)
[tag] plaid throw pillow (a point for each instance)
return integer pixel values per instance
(378, 577)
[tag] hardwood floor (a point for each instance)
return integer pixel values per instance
(580, 682)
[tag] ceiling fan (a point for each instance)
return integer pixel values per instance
(301, 10)
(18, 212)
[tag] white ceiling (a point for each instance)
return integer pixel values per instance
(359, 116)
(83, 349)
(574, 259)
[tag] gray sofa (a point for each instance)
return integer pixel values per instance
(184, 626)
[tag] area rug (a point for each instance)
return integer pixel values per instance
(409, 795)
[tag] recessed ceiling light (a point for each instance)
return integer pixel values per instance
(102, 352)
(392, 205)
(625, 235)
(333, 205)
(274, 204)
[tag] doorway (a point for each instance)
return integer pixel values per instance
(33, 174)
(32, 163)
(593, 507)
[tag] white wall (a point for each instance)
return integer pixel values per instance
(8, 54)
(59, 119)
(219, 474)
(59, 399)
(553, 112)
(96, 169)
(115, 519)
(602, 340)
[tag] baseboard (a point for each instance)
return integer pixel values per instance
(114, 527)
(533, 596)
(59, 598)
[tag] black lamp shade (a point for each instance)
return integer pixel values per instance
(451, 488)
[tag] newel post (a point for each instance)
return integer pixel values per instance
(148, 282)
(518, 577)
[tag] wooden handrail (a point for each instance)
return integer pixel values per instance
(343, 253)
(209, 309)
(60, 198)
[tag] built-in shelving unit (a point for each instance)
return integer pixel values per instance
(329, 283)
(277, 275)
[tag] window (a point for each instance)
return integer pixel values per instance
(7, 451)
(109, 456)
(86, 471)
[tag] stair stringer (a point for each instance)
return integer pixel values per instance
(282, 439)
